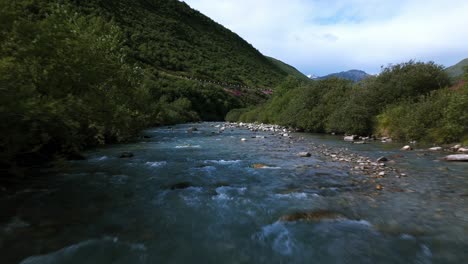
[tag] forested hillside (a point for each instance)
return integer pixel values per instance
(289, 69)
(456, 71)
(75, 74)
(169, 35)
(408, 101)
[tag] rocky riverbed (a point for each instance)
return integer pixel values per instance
(381, 171)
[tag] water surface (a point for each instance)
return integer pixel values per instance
(198, 198)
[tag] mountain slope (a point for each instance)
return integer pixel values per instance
(456, 71)
(290, 70)
(171, 36)
(352, 75)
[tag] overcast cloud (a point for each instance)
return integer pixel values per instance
(324, 36)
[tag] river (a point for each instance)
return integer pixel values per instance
(204, 197)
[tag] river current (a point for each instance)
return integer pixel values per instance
(205, 197)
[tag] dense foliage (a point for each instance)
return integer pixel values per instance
(76, 74)
(405, 101)
(64, 84)
(438, 117)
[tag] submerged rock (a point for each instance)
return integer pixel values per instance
(76, 156)
(311, 216)
(458, 157)
(222, 184)
(259, 166)
(126, 155)
(192, 129)
(181, 186)
(304, 154)
(359, 142)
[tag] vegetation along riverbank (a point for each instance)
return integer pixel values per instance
(411, 101)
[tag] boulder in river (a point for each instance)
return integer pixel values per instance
(456, 147)
(407, 147)
(436, 149)
(458, 157)
(126, 155)
(386, 140)
(382, 159)
(463, 150)
(350, 138)
(304, 154)
(311, 216)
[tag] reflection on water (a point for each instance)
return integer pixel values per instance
(208, 198)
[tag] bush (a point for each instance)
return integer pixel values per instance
(336, 105)
(440, 117)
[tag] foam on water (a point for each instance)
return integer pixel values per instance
(119, 179)
(155, 164)
(106, 250)
(15, 223)
(300, 195)
(278, 237)
(222, 196)
(223, 162)
(269, 168)
(187, 146)
(101, 158)
(231, 190)
(424, 256)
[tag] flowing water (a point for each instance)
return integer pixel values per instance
(199, 198)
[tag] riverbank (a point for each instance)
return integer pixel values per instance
(282, 131)
(382, 173)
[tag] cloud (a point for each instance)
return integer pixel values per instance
(323, 36)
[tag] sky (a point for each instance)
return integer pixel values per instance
(326, 36)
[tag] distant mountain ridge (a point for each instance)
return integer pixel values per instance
(352, 75)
